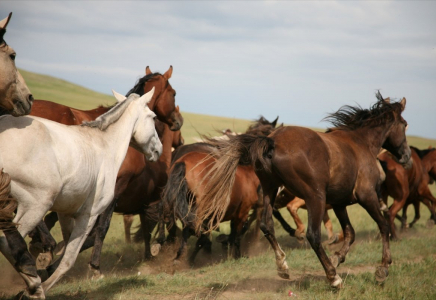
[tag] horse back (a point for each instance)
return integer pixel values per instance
(53, 111)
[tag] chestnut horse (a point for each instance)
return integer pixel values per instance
(407, 186)
(189, 164)
(337, 167)
(15, 99)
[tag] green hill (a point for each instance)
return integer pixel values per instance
(64, 92)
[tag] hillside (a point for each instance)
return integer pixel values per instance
(61, 91)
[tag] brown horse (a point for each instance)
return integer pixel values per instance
(337, 168)
(408, 186)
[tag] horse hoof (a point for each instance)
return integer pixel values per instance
(337, 282)
(334, 259)
(430, 224)
(43, 274)
(222, 238)
(44, 260)
(95, 273)
(176, 262)
(381, 273)
(155, 248)
(24, 295)
(283, 273)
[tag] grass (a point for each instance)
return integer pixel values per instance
(411, 275)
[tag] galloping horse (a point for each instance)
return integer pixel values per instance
(407, 186)
(337, 168)
(72, 169)
(162, 104)
(15, 99)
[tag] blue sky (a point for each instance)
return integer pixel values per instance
(296, 59)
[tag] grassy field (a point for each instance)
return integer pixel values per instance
(412, 274)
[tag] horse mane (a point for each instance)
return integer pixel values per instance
(263, 130)
(139, 86)
(111, 116)
(354, 117)
(422, 153)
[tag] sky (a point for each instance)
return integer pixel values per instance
(298, 60)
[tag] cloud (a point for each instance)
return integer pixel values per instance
(299, 60)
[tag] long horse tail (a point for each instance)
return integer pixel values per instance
(7, 203)
(175, 202)
(244, 149)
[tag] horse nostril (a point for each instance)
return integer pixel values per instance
(30, 98)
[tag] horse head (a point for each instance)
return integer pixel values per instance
(396, 141)
(15, 96)
(145, 138)
(163, 101)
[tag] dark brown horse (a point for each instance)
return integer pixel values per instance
(337, 167)
(407, 186)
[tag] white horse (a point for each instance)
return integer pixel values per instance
(15, 97)
(72, 169)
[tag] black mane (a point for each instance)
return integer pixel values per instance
(354, 117)
(139, 86)
(422, 153)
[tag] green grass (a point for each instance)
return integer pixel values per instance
(411, 276)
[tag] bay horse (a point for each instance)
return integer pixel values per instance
(188, 166)
(337, 168)
(72, 169)
(15, 99)
(407, 186)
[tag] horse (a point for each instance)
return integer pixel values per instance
(407, 186)
(162, 104)
(337, 167)
(189, 164)
(15, 99)
(72, 169)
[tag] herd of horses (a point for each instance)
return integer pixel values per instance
(85, 165)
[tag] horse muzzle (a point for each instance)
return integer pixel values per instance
(22, 107)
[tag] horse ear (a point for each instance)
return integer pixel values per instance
(177, 108)
(168, 73)
(403, 103)
(5, 21)
(274, 123)
(119, 97)
(147, 97)
(387, 100)
(147, 70)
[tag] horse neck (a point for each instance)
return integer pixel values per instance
(374, 137)
(167, 142)
(118, 135)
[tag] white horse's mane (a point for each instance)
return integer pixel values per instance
(111, 116)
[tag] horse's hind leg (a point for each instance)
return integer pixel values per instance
(284, 224)
(128, 220)
(293, 207)
(267, 227)
(147, 226)
(203, 242)
(186, 234)
(349, 235)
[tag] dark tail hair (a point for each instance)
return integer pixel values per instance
(244, 149)
(7, 203)
(175, 197)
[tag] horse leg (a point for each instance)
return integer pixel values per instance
(147, 226)
(128, 220)
(332, 238)
(393, 211)
(372, 206)
(100, 228)
(283, 222)
(241, 229)
(416, 204)
(50, 220)
(82, 227)
(349, 235)
(293, 207)
(48, 243)
(428, 199)
(186, 234)
(315, 210)
(267, 227)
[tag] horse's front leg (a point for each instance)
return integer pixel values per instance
(369, 201)
(267, 227)
(82, 227)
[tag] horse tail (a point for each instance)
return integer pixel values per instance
(175, 204)
(244, 149)
(7, 203)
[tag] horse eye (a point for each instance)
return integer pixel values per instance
(12, 56)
